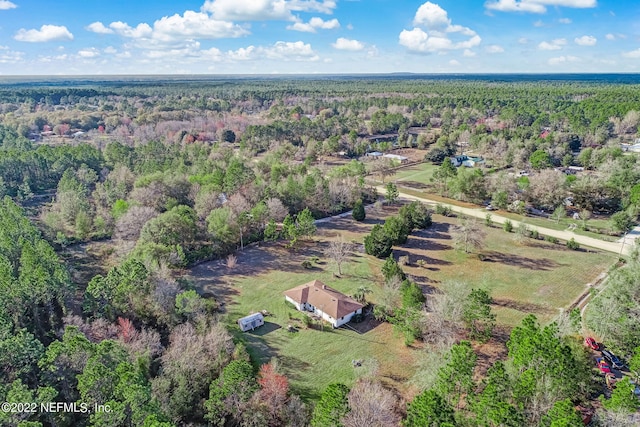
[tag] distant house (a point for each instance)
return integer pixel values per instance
(318, 298)
(466, 161)
(250, 322)
(635, 148)
(397, 158)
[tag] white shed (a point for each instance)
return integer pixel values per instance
(251, 322)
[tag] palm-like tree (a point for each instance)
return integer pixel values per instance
(361, 294)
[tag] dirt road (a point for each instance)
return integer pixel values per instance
(614, 247)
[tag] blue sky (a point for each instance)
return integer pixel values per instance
(318, 36)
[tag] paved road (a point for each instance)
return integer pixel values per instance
(614, 247)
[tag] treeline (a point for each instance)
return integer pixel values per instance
(544, 380)
(147, 348)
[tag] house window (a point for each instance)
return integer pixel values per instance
(342, 318)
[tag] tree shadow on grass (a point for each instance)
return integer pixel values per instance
(413, 258)
(544, 264)
(265, 329)
(523, 307)
(415, 184)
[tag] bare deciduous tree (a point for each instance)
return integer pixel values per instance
(277, 210)
(339, 252)
(468, 235)
(130, 224)
(547, 188)
(371, 405)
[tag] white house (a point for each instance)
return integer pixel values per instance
(397, 158)
(251, 322)
(466, 161)
(331, 305)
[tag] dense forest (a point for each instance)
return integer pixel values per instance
(178, 172)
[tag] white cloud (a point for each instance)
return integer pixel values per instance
(242, 54)
(8, 56)
(454, 62)
(98, 27)
(172, 30)
(468, 53)
(565, 21)
(610, 36)
(431, 16)
(586, 41)
(434, 19)
(91, 52)
(562, 60)
(283, 51)
(538, 24)
(314, 24)
(194, 25)
(523, 40)
(123, 29)
(6, 5)
(46, 33)
(536, 6)
(553, 44)
(634, 54)
(291, 51)
(347, 44)
(264, 10)
(494, 48)
(110, 50)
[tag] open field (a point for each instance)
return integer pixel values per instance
(311, 358)
(535, 277)
(531, 277)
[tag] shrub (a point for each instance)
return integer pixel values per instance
(551, 239)
(359, 213)
(421, 263)
(378, 243)
(573, 245)
(535, 234)
(487, 220)
(232, 261)
(307, 321)
(508, 226)
(403, 260)
(307, 264)
(391, 269)
(443, 210)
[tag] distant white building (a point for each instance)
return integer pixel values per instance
(466, 161)
(397, 158)
(250, 322)
(635, 148)
(331, 305)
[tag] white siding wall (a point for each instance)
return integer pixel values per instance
(294, 303)
(336, 323)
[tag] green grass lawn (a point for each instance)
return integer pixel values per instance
(314, 358)
(417, 175)
(531, 277)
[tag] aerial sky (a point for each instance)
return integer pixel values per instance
(39, 37)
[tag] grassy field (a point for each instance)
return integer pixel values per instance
(535, 277)
(416, 176)
(311, 358)
(531, 277)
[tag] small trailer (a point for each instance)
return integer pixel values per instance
(250, 322)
